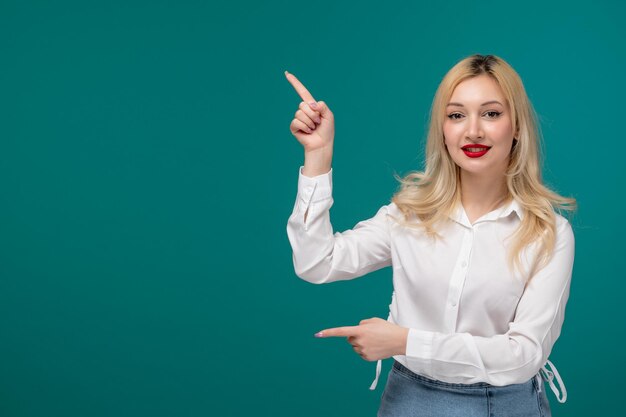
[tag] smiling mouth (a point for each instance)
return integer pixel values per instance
(475, 151)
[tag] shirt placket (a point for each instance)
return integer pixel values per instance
(457, 280)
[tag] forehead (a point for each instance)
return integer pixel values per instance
(477, 90)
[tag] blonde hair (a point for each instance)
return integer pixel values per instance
(431, 195)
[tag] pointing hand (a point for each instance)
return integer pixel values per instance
(314, 123)
(373, 338)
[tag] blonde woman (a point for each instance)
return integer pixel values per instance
(482, 260)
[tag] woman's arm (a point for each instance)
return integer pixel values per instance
(321, 256)
(318, 255)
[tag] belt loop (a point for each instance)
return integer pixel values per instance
(539, 380)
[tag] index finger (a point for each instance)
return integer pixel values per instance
(300, 88)
(339, 331)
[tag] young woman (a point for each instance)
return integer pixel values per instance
(482, 261)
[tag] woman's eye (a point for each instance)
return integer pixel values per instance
(491, 114)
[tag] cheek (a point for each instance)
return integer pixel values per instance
(503, 130)
(448, 134)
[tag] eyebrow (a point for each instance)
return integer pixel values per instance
(484, 104)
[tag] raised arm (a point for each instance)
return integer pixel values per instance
(319, 256)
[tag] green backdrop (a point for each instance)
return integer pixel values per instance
(147, 173)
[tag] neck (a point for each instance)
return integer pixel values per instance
(482, 194)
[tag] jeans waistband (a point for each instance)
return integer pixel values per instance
(404, 370)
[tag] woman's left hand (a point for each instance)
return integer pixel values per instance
(373, 338)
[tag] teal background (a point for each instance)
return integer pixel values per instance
(147, 173)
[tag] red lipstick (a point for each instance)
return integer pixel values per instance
(475, 150)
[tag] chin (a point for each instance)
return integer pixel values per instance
(481, 168)
(473, 171)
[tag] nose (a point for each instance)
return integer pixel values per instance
(474, 131)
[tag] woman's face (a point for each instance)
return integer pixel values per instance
(477, 127)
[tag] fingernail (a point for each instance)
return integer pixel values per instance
(313, 105)
(319, 334)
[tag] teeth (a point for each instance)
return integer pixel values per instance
(476, 149)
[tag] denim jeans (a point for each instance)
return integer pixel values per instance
(409, 394)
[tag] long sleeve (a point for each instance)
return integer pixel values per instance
(321, 256)
(518, 354)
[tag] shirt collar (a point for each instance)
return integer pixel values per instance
(458, 213)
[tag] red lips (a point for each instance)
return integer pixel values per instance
(474, 150)
(475, 145)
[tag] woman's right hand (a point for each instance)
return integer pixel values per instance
(314, 123)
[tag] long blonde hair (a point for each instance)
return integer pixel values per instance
(431, 195)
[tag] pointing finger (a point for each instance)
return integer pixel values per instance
(299, 87)
(339, 331)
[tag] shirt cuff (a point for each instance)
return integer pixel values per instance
(419, 351)
(315, 188)
(419, 344)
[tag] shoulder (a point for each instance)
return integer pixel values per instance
(388, 212)
(399, 220)
(564, 232)
(563, 226)
(392, 208)
(393, 212)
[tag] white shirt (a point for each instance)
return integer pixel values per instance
(470, 317)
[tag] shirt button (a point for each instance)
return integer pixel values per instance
(453, 304)
(463, 264)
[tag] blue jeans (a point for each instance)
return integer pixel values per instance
(409, 394)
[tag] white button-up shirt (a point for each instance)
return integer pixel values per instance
(470, 317)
